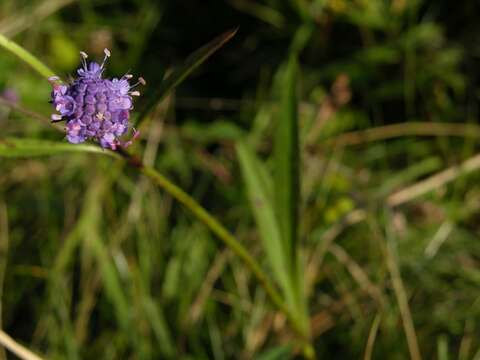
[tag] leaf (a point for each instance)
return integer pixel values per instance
(264, 13)
(159, 326)
(287, 164)
(179, 74)
(257, 181)
(287, 187)
(282, 352)
(111, 280)
(13, 147)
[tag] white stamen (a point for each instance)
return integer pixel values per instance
(141, 81)
(107, 55)
(56, 117)
(128, 76)
(100, 116)
(53, 78)
(135, 93)
(84, 56)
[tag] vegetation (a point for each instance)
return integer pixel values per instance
(304, 185)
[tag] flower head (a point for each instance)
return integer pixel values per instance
(93, 107)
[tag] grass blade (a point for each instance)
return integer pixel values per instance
(179, 74)
(13, 148)
(287, 164)
(159, 326)
(287, 186)
(256, 179)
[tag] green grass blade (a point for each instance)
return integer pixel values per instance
(282, 352)
(111, 280)
(179, 74)
(256, 180)
(13, 148)
(287, 186)
(221, 232)
(159, 326)
(287, 164)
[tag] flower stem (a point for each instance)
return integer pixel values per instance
(221, 232)
(224, 235)
(25, 56)
(19, 350)
(231, 242)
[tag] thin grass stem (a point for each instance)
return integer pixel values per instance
(401, 296)
(223, 234)
(19, 350)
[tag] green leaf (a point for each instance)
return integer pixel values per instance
(13, 147)
(91, 235)
(287, 187)
(287, 164)
(257, 181)
(282, 352)
(111, 279)
(264, 13)
(159, 326)
(179, 74)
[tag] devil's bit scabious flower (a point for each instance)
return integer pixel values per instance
(93, 107)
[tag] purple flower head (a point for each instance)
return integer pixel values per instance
(93, 107)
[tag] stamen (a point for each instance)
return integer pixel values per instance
(135, 93)
(141, 81)
(53, 79)
(128, 76)
(107, 55)
(84, 56)
(56, 117)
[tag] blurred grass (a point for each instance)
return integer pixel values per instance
(102, 264)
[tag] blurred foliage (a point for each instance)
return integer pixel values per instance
(101, 264)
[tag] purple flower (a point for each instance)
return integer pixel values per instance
(93, 107)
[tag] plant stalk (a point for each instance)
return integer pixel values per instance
(221, 232)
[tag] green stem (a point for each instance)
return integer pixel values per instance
(25, 56)
(224, 235)
(231, 242)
